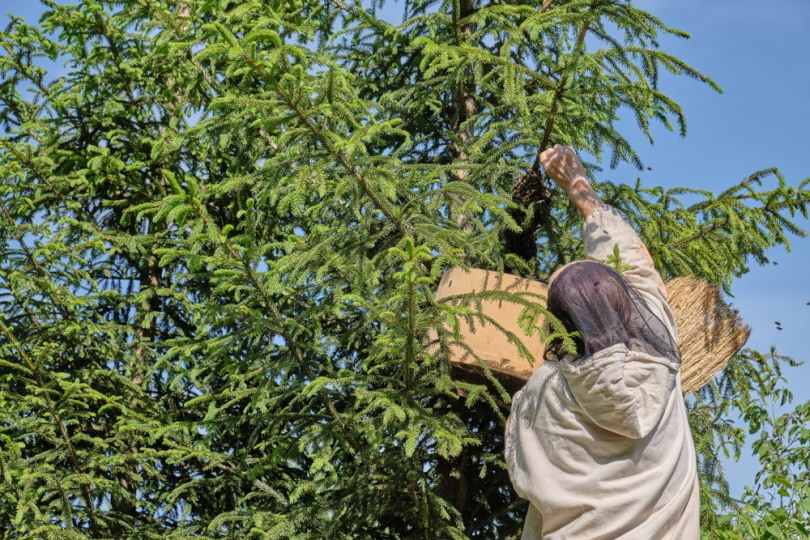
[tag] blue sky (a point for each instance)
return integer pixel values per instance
(758, 52)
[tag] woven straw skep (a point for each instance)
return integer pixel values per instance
(710, 332)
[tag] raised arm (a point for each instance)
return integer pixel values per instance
(605, 230)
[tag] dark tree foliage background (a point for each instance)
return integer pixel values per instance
(222, 224)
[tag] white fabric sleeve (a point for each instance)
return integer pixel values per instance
(604, 229)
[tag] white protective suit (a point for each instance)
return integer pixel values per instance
(602, 448)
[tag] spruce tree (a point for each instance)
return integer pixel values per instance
(223, 225)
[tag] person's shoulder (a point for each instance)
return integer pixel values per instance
(545, 374)
(596, 361)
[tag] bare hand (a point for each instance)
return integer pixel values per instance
(563, 166)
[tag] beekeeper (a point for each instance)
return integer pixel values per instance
(598, 440)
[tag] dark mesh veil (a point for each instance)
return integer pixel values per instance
(595, 300)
